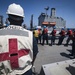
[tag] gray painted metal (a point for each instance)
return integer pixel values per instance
(60, 68)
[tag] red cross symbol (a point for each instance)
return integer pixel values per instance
(13, 54)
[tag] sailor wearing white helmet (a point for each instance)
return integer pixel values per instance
(18, 47)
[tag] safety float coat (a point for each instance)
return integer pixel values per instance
(36, 33)
(15, 50)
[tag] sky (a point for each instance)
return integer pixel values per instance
(64, 9)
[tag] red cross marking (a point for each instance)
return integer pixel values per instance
(13, 53)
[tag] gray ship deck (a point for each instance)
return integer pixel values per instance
(51, 54)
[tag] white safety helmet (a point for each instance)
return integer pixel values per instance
(15, 9)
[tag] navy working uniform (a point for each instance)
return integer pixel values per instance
(73, 46)
(53, 33)
(45, 35)
(62, 36)
(40, 35)
(18, 47)
(70, 35)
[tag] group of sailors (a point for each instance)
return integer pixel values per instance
(40, 34)
(43, 35)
